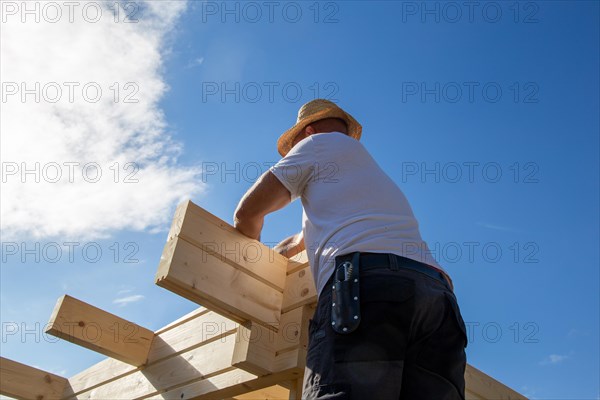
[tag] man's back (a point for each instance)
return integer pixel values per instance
(350, 204)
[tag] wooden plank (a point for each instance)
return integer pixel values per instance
(196, 364)
(180, 321)
(205, 279)
(24, 382)
(226, 385)
(297, 262)
(299, 290)
(472, 396)
(98, 330)
(99, 374)
(205, 388)
(255, 349)
(292, 344)
(276, 392)
(293, 329)
(198, 329)
(296, 392)
(294, 360)
(257, 346)
(486, 387)
(220, 239)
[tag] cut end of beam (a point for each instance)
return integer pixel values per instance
(95, 329)
(206, 279)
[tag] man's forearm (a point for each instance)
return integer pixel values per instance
(291, 246)
(250, 226)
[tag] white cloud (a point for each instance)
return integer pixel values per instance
(196, 62)
(553, 359)
(124, 141)
(123, 301)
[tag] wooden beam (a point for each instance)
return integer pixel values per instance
(254, 349)
(203, 329)
(186, 318)
(296, 392)
(276, 392)
(293, 329)
(294, 360)
(297, 262)
(98, 330)
(219, 386)
(24, 382)
(198, 373)
(482, 386)
(220, 239)
(191, 331)
(257, 347)
(228, 384)
(299, 289)
(196, 364)
(206, 279)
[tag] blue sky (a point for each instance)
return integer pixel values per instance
(487, 119)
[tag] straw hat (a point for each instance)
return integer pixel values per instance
(313, 111)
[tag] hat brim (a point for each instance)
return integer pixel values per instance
(284, 143)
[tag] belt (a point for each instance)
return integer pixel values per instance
(394, 261)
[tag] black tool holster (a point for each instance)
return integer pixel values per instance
(345, 312)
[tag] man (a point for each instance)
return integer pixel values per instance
(387, 324)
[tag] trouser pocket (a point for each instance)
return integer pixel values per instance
(387, 307)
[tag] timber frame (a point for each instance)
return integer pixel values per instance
(247, 340)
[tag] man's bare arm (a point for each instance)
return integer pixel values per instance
(291, 246)
(266, 195)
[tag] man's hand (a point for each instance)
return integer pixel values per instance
(291, 246)
(266, 195)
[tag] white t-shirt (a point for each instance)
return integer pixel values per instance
(349, 204)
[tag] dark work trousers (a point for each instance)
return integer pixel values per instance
(410, 343)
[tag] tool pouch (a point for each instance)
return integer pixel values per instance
(345, 312)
